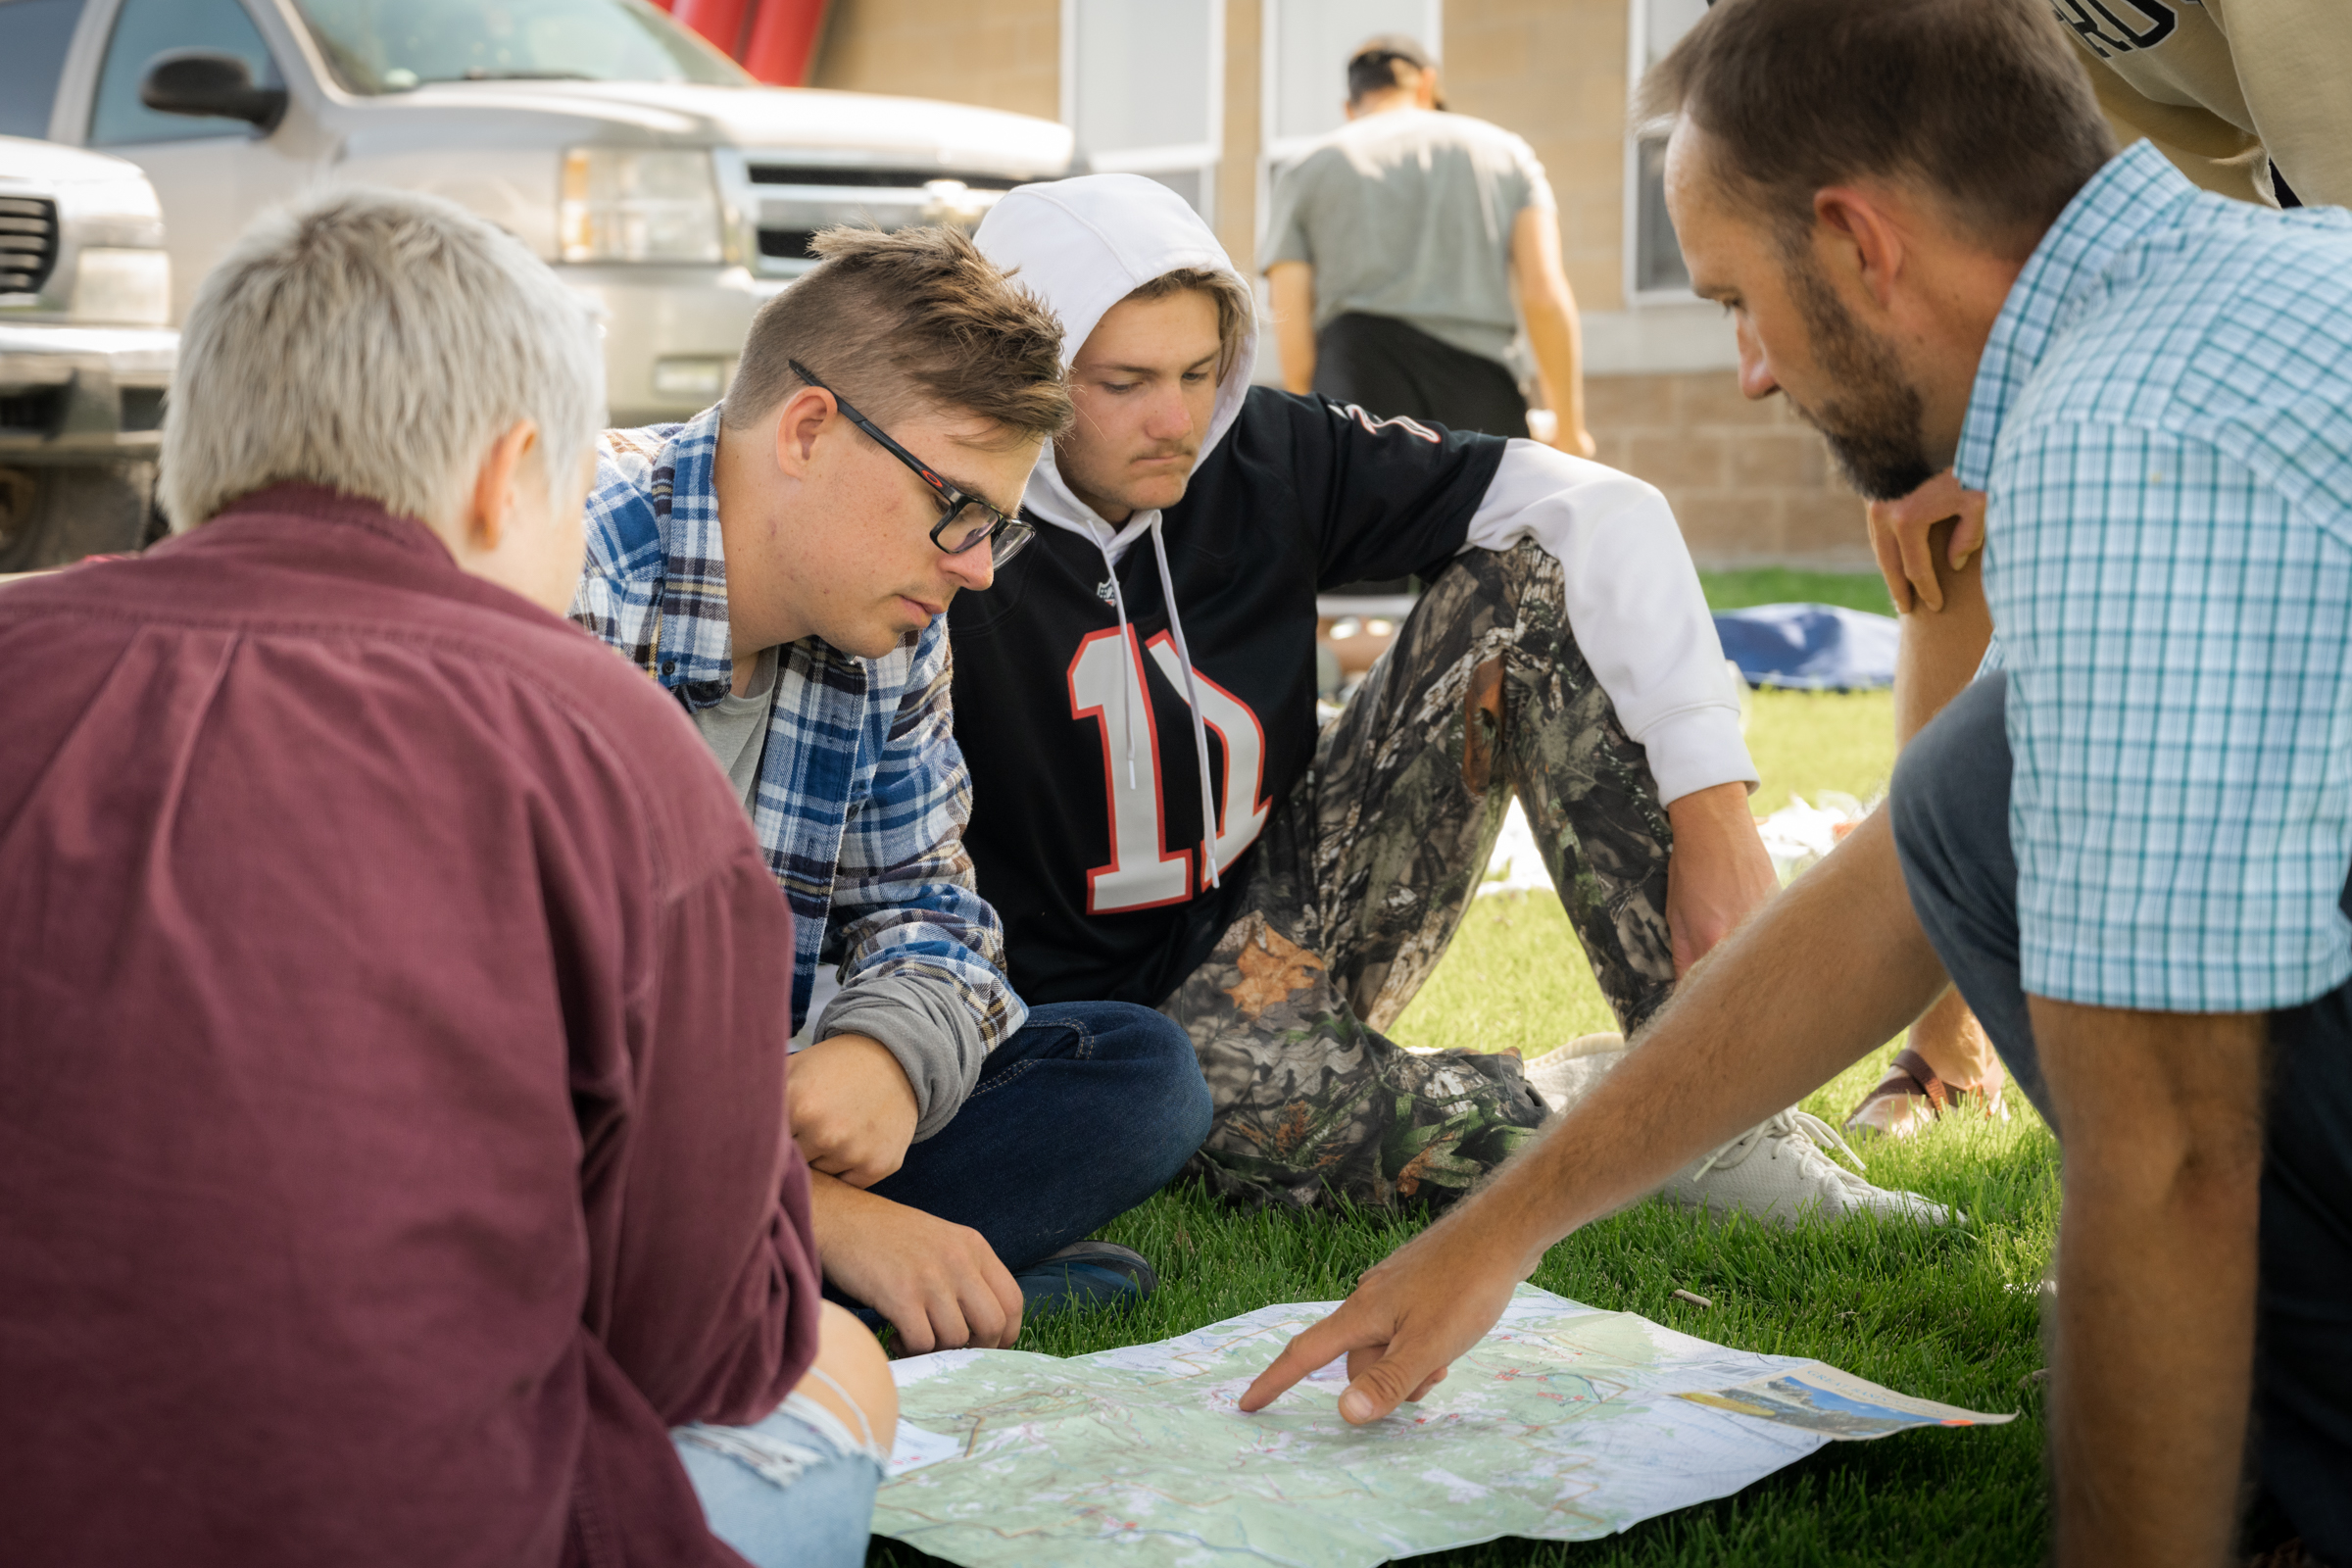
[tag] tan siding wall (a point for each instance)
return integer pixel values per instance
(1001, 54)
(1553, 70)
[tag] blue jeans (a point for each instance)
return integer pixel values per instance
(1090, 1110)
(795, 1491)
(1951, 831)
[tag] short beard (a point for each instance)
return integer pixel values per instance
(1872, 422)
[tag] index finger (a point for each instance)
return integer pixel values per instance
(1317, 1346)
(1000, 1282)
(1891, 562)
(1918, 559)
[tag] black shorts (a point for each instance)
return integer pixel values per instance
(1387, 367)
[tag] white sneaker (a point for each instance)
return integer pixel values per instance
(1775, 1171)
(1564, 1075)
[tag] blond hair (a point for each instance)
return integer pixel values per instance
(1237, 308)
(375, 342)
(901, 321)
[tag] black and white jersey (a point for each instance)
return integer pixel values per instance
(1097, 866)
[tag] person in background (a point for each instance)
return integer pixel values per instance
(2130, 846)
(2249, 101)
(781, 565)
(395, 1147)
(1406, 250)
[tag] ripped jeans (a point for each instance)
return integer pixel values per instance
(795, 1491)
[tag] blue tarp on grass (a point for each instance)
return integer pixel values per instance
(1811, 648)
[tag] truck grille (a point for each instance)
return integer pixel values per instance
(27, 243)
(33, 411)
(786, 244)
(874, 179)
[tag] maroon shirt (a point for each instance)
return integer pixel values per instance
(393, 1006)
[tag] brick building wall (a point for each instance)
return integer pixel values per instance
(1750, 483)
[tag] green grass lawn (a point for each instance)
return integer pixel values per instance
(1947, 1315)
(1786, 585)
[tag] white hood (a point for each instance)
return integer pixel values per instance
(1083, 245)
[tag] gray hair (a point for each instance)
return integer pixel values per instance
(375, 342)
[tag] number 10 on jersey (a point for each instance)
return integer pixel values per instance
(1142, 872)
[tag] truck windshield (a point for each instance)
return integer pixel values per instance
(379, 46)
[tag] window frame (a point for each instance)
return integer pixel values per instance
(1637, 57)
(1200, 158)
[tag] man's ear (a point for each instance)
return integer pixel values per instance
(496, 499)
(1863, 235)
(799, 422)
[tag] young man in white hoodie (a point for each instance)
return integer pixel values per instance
(1157, 819)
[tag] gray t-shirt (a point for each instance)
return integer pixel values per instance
(1408, 214)
(735, 728)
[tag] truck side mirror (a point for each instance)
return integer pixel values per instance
(206, 82)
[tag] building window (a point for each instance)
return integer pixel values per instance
(1653, 263)
(1303, 65)
(1142, 87)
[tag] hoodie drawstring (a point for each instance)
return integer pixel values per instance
(1127, 650)
(1191, 693)
(1130, 649)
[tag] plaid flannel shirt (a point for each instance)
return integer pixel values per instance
(2163, 419)
(862, 794)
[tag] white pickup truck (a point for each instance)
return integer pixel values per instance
(650, 170)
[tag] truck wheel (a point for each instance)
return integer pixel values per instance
(53, 516)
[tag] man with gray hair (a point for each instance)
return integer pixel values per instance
(397, 1129)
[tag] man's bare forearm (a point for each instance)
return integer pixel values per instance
(1557, 339)
(2154, 1356)
(1554, 334)
(1824, 972)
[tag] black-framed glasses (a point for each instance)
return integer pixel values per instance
(968, 521)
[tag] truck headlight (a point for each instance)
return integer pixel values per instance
(627, 204)
(130, 287)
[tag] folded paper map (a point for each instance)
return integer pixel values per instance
(1564, 1424)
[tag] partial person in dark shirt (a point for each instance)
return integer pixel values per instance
(396, 1145)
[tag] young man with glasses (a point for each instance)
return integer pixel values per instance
(782, 564)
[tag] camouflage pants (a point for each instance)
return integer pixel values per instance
(1363, 874)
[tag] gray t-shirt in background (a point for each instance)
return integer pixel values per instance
(735, 728)
(1408, 214)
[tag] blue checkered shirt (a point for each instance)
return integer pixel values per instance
(2163, 419)
(862, 794)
